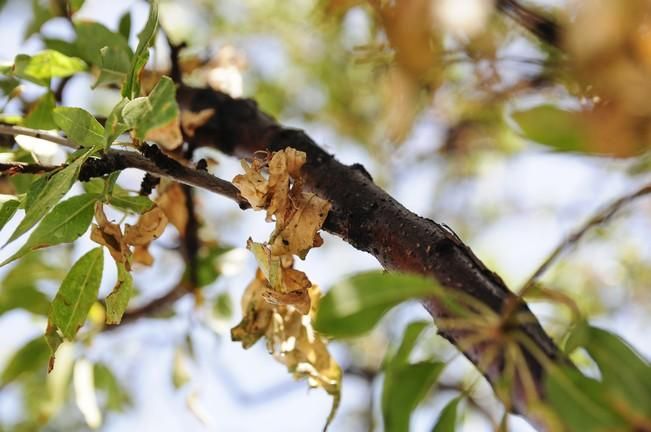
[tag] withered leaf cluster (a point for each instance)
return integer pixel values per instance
(281, 302)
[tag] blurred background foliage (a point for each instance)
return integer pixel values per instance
(460, 113)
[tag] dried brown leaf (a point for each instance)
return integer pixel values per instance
(149, 227)
(110, 235)
(167, 136)
(191, 121)
(174, 204)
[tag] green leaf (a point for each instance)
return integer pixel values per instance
(223, 306)
(64, 224)
(28, 359)
(553, 127)
(114, 66)
(45, 65)
(77, 293)
(81, 126)
(207, 268)
(447, 421)
(40, 15)
(159, 108)
(581, 402)
(118, 299)
(119, 197)
(124, 27)
(75, 5)
(115, 125)
(54, 341)
(48, 193)
(404, 388)
(40, 117)
(623, 371)
(353, 306)
(7, 85)
(63, 46)
(146, 39)
(7, 211)
(18, 289)
(409, 339)
(117, 399)
(93, 36)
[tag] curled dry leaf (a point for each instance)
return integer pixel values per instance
(252, 185)
(172, 201)
(109, 234)
(149, 227)
(289, 334)
(167, 136)
(191, 121)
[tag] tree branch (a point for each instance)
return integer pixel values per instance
(369, 219)
(542, 27)
(152, 160)
(601, 217)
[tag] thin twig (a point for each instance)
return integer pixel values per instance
(599, 218)
(13, 168)
(540, 26)
(6, 129)
(158, 163)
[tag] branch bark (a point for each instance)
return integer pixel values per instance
(372, 221)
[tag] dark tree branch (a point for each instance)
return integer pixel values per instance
(369, 219)
(540, 26)
(14, 168)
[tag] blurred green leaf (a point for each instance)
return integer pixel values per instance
(623, 371)
(77, 293)
(42, 67)
(207, 265)
(18, 289)
(115, 65)
(64, 224)
(63, 46)
(41, 13)
(40, 117)
(75, 5)
(355, 305)
(81, 126)
(8, 84)
(116, 397)
(124, 26)
(93, 36)
(159, 108)
(146, 39)
(553, 127)
(223, 306)
(409, 339)
(404, 388)
(447, 421)
(118, 300)
(44, 194)
(7, 211)
(28, 359)
(581, 402)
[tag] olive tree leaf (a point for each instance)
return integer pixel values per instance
(404, 388)
(355, 305)
(46, 194)
(64, 224)
(7, 210)
(28, 359)
(42, 67)
(77, 293)
(41, 117)
(624, 371)
(118, 299)
(159, 108)
(554, 127)
(115, 125)
(81, 126)
(146, 37)
(93, 36)
(447, 420)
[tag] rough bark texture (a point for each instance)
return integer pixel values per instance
(369, 219)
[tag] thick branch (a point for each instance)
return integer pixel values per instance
(371, 220)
